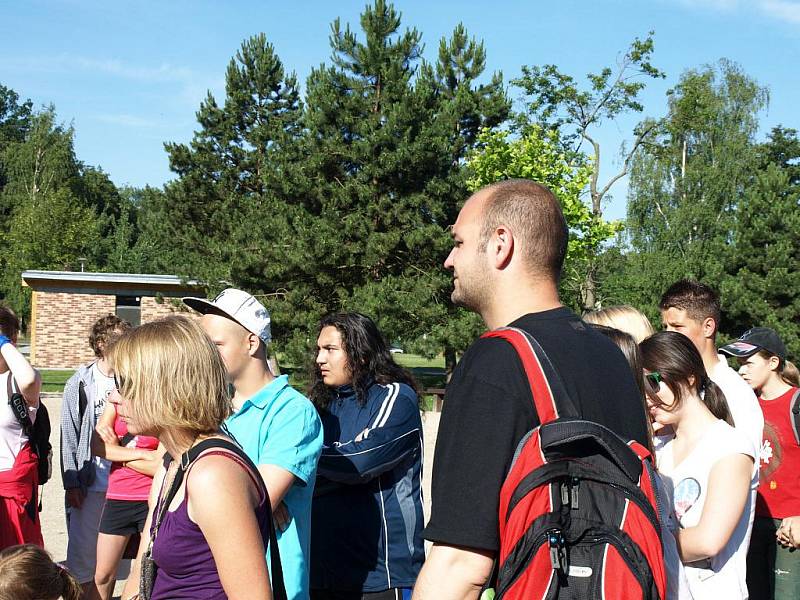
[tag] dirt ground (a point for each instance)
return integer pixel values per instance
(53, 519)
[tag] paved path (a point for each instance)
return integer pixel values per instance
(54, 526)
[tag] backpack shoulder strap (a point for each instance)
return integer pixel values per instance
(794, 415)
(549, 394)
(278, 586)
(19, 406)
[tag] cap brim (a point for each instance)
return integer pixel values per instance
(201, 305)
(740, 349)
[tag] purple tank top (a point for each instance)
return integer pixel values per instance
(186, 567)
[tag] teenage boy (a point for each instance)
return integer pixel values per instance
(693, 309)
(85, 475)
(276, 425)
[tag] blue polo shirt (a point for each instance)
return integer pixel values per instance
(279, 426)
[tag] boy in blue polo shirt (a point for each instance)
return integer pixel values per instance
(277, 427)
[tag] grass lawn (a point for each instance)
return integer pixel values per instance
(54, 380)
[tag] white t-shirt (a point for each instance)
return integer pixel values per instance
(103, 386)
(724, 575)
(12, 438)
(742, 401)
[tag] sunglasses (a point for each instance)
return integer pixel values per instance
(119, 383)
(653, 380)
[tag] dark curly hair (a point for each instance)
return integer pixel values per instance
(9, 322)
(105, 331)
(368, 358)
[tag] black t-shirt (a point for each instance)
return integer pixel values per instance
(488, 408)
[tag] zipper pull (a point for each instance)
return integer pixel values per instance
(574, 486)
(558, 555)
(564, 493)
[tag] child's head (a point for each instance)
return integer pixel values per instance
(28, 573)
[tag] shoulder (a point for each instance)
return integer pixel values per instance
(730, 440)
(220, 471)
(489, 360)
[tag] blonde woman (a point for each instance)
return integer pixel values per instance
(773, 562)
(209, 518)
(625, 318)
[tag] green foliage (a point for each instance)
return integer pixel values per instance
(555, 101)
(762, 282)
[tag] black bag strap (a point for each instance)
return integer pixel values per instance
(547, 388)
(82, 401)
(188, 457)
(794, 415)
(19, 406)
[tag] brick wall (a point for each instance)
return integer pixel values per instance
(62, 322)
(152, 309)
(61, 327)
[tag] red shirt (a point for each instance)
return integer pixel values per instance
(779, 488)
(123, 482)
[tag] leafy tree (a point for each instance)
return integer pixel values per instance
(387, 134)
(687, 183)
(555, 100)
(50, 226)
(762, 284)
(538, 154)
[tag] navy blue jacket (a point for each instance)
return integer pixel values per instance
(366, 518)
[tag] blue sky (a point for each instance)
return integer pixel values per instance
(130, 75)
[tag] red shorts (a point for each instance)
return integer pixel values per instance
(19, 514)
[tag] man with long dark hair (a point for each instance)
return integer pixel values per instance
(367, 519)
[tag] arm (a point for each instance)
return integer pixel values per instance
(132, 584)
(105, 442)
(728, 490)
(148, 466)
(27, 378)
(453, 573)
(228, 521)
(378, 448)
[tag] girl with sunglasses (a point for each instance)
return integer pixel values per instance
(706, 463)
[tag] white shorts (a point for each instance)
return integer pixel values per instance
(84, 523)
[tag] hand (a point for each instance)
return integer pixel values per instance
(282, 517)
(107, 434)
(75, 497)
(788, 534)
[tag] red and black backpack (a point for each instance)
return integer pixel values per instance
(578, 512)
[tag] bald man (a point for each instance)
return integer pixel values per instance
(277, 427)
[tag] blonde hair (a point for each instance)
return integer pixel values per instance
(625, 318)
(173, 377)
(27, 572)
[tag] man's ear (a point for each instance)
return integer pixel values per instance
(709, 328)
(774, 362)
(253, 342)
(502, 246)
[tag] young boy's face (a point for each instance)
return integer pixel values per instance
(677, 319)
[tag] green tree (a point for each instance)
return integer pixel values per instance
(555, 100)
(687, 183)
(50, 226)
(762, 283)
(387, 134)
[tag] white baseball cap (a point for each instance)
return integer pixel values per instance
(239, 306)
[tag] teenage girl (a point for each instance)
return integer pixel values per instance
(773, 563)
(707, 464)
(134, 461)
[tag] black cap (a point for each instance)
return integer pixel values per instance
(755, 339)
